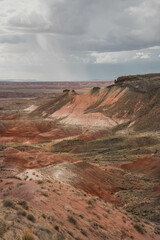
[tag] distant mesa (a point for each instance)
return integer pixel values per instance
(95, 90)
(138, 77)
(68, 90)
(150, 76)
(141, 83)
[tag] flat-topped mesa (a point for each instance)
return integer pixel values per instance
(150, 76)
(141, 83)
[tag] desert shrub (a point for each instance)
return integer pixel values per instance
(21, 213)
(44, 193)
(59, 236)
(94, 225)
(155, 217)
(10, 182)
(56, 227)
(3, 227)
(70, 233)
(84, 232)
(103, 234)
(157, 230)
(81, 216)
(39, 181)
(43, 215)
(139, 228)
(45, 230)
(9, 204)
(23, 204)
(51, 218)
(72, 220)
(20, 184)
(31, 217)
(90, 202)
(28, 235)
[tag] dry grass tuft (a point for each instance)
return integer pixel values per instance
(28, 235)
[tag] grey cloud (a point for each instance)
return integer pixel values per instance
(96, 25)
(31, 21)
(55, 33)
(12, 39)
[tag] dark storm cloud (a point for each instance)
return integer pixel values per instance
(97, 25)
(61, 32)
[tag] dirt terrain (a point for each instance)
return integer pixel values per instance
(80, 163)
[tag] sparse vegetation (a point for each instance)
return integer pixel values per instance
(3, 227)
(28, 235)
(44, 215)
(56, 227)
(9, 203)
(84, 232)
(39, 181)
(72, 220)
(157, 230)
(23, 204)
(139, 228)
(31, 217)
(114, 148)
(21, 212)
(45, 193)
(59, 236)
(155, 217)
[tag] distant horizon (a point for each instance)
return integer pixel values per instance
(57, 81)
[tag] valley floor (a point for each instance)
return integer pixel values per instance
(61, 181)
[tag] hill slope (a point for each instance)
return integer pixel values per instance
(131, 101)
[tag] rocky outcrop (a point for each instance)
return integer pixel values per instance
(143, 83)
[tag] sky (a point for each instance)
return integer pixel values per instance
(78, 40)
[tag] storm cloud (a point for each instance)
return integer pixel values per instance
(78, 39)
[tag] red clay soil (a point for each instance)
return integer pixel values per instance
(93, 135)
(22, 132)
(92, 180)
(94, 219)
(34, 158)
(12, 116)
(33, 131)
(81, 110)
(149, 165)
